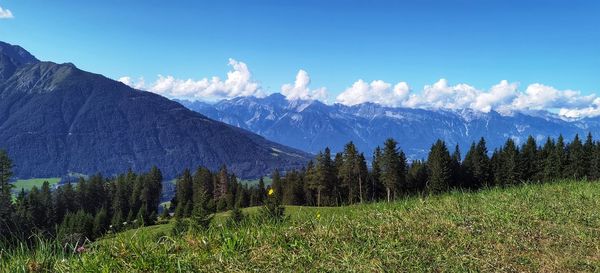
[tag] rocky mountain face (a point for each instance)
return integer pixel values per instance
(312, 125)
(56, 119)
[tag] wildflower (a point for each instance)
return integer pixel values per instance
(271, 192)
(80, 249)
(318, 215)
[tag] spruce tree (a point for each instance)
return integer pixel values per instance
(377, 188)
(511, 163)
(577, 164)
(390, 168)
(417, 176)
(562, 160)
(439, 164)
(351, 178)
(201, 214)
(551, 161)
(6, 205)
(477, 166)
(529, 160)
(588, 150)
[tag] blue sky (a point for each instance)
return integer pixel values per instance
(480, 43)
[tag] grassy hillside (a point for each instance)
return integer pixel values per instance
(548, 228)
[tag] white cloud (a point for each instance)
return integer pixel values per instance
(504, 97)
(377, 91)
(137, 84)
(499, 96)
(238, 83)
(6, 14)
(300, 89)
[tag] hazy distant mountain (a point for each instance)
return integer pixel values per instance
(312, 125)
(57, 119)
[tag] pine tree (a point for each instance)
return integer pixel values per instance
(529, 160)
(456, 166)
(293, 192)
(477, 166)
(184, 194)
(594, 171)
(276, 184)
(6, 205)
(324, 174)
(351, 177)
(390, 168)
(101, 223)
(222, 183)
(551, 161)
(377, 188)
(511, 163)
(588, 150)
(261, 191)
(576, 167)
(417, 176)
(562, 160)
(439, 164)
(201, 214)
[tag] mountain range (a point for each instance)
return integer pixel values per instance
(56, 119)
(311, 125)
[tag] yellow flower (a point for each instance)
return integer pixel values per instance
(318, 215)
(271, 191)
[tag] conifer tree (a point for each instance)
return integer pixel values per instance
(390, 168)
(439, 164)
(562, 160)
(594, 171)
(377, 189)
(417, 176)
(184, 194)
(511, 163)
(101, 223)
(222, 183)
(551, 161)
(276, 184)
(6, 205)
(588, 150)
(456, 166)
(477, 166)
(576, 167)
(529, 160)
(351, 178)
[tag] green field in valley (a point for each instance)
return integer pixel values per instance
(553, 227)
(28, 184)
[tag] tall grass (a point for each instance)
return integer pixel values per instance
(536, 228)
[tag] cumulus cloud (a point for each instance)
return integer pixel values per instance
(238, 83)
(504, 97)
(377, 91)
(6, 14)
(300, 89)
(137, 84)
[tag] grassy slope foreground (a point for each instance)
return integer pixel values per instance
(548, 228)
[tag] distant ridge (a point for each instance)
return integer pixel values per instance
(312, 125)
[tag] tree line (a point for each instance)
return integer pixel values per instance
(97, 205)
(344, 178)
(84, 210)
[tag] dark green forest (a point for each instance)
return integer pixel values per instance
(98, 205)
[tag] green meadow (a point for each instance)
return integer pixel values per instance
(553, 227)
(28, 184)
